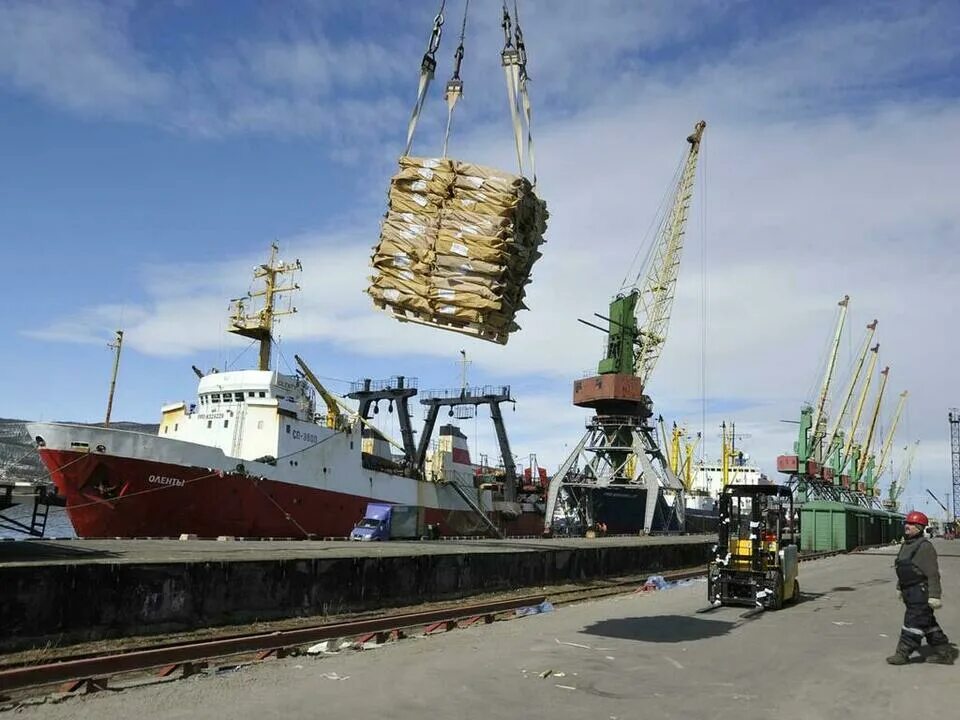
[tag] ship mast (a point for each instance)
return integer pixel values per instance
(116, 345)
(259, 325)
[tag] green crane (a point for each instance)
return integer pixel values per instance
(620, 446)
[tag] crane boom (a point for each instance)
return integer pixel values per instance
(848, 395)
(898, 485)
(334, 419)
(818, 415)
(655, 299)
(871, 366)
(885, 449)
(930, 493)
(868, 443)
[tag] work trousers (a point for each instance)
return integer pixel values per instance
(919, 621)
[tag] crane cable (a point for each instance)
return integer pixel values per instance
(427, 66)
(454, 89)
(651, 236)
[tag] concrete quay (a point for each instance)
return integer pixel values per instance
(631, 656)
(64, 592)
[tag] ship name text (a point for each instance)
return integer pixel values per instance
(164, 480)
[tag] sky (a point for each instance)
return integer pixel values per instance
(151, 151)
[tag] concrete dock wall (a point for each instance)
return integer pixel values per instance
(66, 602)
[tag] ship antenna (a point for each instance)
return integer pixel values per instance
(259, 325)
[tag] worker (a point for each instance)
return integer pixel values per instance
(918, 583)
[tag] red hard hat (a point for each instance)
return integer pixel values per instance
(914, 517)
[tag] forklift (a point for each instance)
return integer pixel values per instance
(756, 560)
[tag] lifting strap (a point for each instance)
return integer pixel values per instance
(514, 61)
(524, 95)
(454, 89)
(510, 59)
(427, 66)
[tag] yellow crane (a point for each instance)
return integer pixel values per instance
(851, 387)
(817, 428)
(335, 420)
(898, 485)
(868, 443)
(680, 455)
(885, 448)
(655, 297)
(865, 390)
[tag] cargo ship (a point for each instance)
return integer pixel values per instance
(257, 456)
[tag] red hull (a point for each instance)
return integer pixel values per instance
(109, 496)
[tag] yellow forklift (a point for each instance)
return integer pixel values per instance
(756, 560)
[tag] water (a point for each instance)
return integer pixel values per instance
(58, 525)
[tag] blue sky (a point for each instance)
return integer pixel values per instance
(151, 151)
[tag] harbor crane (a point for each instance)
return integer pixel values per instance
(827, 462)
(897, 486)
(875, 468)
(835, 437)
(618, 470)
(805, 463)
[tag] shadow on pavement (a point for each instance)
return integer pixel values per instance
(660, 628)
(39, 551)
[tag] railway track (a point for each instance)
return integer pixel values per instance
(164, 662)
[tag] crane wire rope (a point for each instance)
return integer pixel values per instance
(648, 240)
(454, 90)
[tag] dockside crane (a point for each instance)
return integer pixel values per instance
(897, 485)
(848, 463)
(819, 419)
(873, 468)
(680, 454)
(805, 464)
(866, 450)
(620, 447)
(833, 443)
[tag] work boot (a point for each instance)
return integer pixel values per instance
(898, 658)
(901, 655)
(941, 655)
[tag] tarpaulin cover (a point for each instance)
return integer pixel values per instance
(457, 246)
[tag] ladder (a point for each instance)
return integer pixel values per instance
(41, 508)
(473, 505)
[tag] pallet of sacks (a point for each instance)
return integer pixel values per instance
(457, 247)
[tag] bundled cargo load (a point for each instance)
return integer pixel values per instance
(459, 240)
(457, 246)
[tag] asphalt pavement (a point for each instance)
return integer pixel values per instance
(644, 655)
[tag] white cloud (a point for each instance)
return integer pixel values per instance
(78, 55)
(803, 203)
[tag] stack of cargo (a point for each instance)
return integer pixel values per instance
(457, 246)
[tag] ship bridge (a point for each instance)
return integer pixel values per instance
(291, 393)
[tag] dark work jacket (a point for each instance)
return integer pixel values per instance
(917, 563)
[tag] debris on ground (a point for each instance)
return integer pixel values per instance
(543, 607)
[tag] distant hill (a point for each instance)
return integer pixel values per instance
(18, 457)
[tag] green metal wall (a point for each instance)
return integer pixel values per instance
(830, 526)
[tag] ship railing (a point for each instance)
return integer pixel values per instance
(468, 393)
(391, 383)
